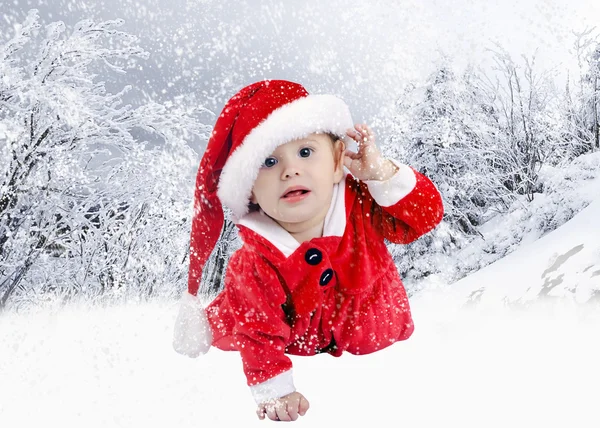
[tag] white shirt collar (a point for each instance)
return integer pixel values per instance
(335, 222)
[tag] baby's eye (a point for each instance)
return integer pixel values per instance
(305, 152)
(270, 162)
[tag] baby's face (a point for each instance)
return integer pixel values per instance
(312, 165)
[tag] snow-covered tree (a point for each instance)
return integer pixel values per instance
(213, 275)
(529, 116)
(575, 134)
(483, 139)
(87, 206)
(447, 129)
(584, 101)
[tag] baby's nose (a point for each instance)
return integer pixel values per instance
(290, 170)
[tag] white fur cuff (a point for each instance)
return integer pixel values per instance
(192, 336)
(389, 192)
(278, 386)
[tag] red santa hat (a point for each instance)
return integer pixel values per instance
(253, 123)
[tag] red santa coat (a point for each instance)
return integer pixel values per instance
(335, 293)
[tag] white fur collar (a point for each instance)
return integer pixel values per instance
(335, 222)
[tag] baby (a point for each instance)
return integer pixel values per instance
(314, 274)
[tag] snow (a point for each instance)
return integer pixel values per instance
(564, 263)
(568, 189)
(485, 364)
(514, 344)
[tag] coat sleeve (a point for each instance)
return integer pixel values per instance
(404, 207)
(261, 332)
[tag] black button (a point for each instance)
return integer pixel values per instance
(313, 257)
(326, 277)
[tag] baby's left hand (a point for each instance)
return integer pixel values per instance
(367, 164)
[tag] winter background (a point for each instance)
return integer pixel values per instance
(105, 108)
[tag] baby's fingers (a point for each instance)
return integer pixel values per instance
(282, 413)
(351, 154)
(303, 406)
(354, 135)
(359, 133)
(260, 412)
(271, 411)
(364, 131)
(276, 411)
(292, 409)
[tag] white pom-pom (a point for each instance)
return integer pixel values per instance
(192, 336)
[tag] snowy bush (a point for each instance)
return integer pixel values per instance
(583, 101)
(504, 153)
(448, 130)
(567, 189)
(87, 207)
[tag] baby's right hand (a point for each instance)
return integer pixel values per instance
(286, 408)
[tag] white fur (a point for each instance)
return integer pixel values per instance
(276, 387)
(389, 192)
(313, 113)
(192, 336)
(335, 222)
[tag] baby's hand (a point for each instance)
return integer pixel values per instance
(286, 408)
(367, 163)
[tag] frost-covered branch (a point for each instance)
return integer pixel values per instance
(80, 192)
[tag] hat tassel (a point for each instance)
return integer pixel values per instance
(193, 335)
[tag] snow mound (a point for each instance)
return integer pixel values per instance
(562, 265)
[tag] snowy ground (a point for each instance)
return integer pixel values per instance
(115, 368)
(533, 363)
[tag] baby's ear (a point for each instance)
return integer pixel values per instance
(339, 149)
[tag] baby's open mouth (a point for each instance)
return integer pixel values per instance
(295, 193)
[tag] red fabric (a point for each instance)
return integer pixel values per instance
(272, 305)
(240, 115)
